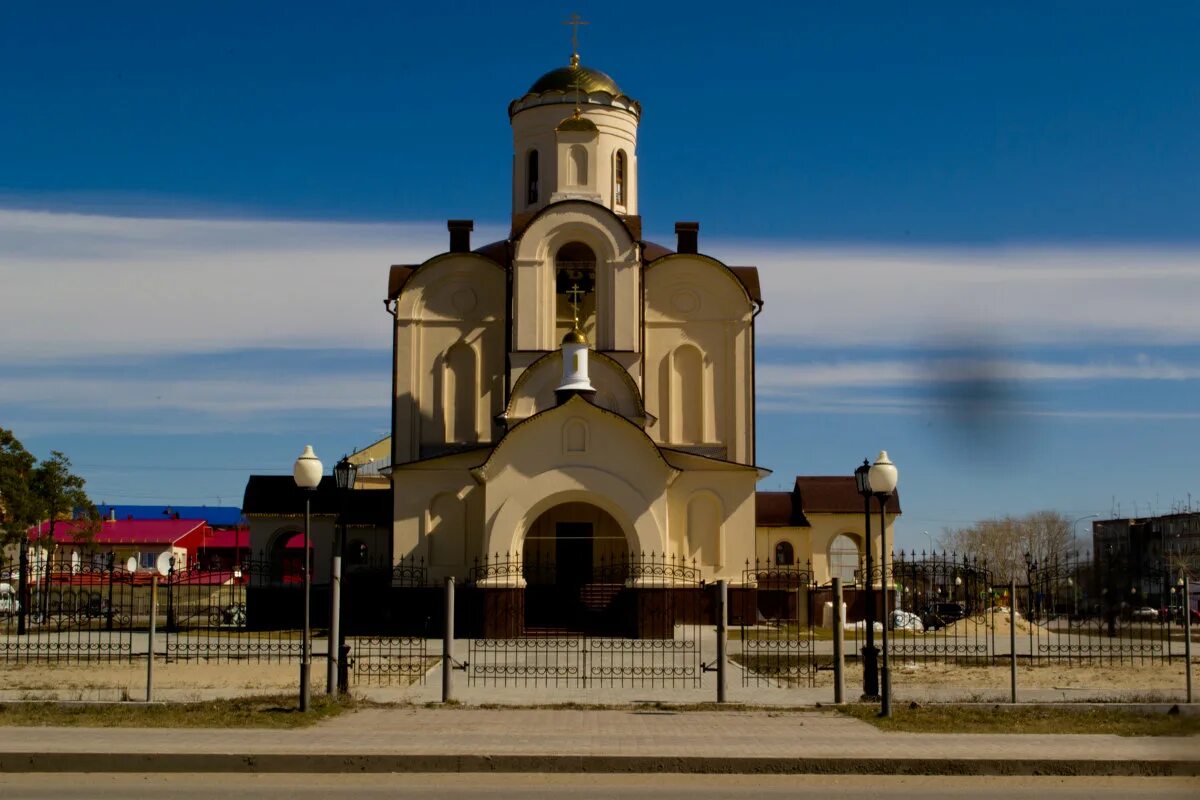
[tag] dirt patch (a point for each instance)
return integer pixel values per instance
(994, 620)
(235, 677)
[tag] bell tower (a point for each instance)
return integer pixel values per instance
(574, 138)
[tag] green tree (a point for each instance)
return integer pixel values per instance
(18, 509)
(58, 493)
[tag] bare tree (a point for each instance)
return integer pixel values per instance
(1003, 543)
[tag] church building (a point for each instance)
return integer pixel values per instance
(575, 393)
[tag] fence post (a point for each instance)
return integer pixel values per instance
(1012, 635)
(333, 648)
(448, 645)
(722, 635)
(1187, 634)
(150, 640)
(839, 653)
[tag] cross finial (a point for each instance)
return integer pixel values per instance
(575, 21)
(575, 293)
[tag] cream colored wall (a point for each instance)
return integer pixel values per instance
(618, 278)
(573, 454)
(694, 301)
(812, 544)
(419, 508)
(534, 128)
(726, 490)
(452, 300)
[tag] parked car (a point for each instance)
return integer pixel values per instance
(939, 615)
(1145, 614)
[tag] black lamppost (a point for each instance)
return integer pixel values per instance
(307, 474)
(882, 480)
(343, 475)
(870, 654)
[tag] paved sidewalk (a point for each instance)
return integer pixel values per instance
(414, 739)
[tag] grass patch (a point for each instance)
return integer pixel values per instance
(1022, 719)
(271, 711)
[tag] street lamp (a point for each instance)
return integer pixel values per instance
(870, 655)
(882, 479)
(343, 475)
(307, 474)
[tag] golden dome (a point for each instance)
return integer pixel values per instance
(574, 336)
(577, 123)
(564, 79)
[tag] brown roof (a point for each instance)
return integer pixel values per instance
(397, 275)
(813, 494)
(496, 251)
(749, 278)
(778, 510)
(835, 494)
(652, 251)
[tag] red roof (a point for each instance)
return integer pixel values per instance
(127, 531)
(225, 538)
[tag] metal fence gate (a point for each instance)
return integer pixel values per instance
(774, 613)
(632, 621)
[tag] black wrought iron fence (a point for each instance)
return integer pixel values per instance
(617, 620)
(776, 612)
(1069, 610)
(61, 608)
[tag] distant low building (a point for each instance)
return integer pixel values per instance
(193, 543)
(1150, 554)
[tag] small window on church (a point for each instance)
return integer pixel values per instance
(619, 179)
(785, 556)
(531, 178)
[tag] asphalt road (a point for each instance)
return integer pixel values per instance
(522, 787)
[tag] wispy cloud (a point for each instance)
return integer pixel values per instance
(926, 371)
(79, 284)
(945, 297)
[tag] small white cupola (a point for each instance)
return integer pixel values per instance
(575, 378)
(589, 155)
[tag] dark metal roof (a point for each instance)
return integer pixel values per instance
(278, 495)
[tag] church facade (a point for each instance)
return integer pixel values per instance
(574, 392)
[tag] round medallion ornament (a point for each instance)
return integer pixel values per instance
(685, 301)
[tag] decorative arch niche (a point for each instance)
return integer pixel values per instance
(705, 531)
(460, 393)
(446, 531)
(689, 398)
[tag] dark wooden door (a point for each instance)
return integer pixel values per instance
(573, 560)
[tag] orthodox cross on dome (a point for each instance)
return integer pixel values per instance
(575, 21)
(574, 294)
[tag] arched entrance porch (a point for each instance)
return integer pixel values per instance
(574, 563)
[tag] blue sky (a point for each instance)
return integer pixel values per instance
(977, 226)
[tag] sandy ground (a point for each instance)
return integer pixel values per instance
(123, 680)
(200, 680)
